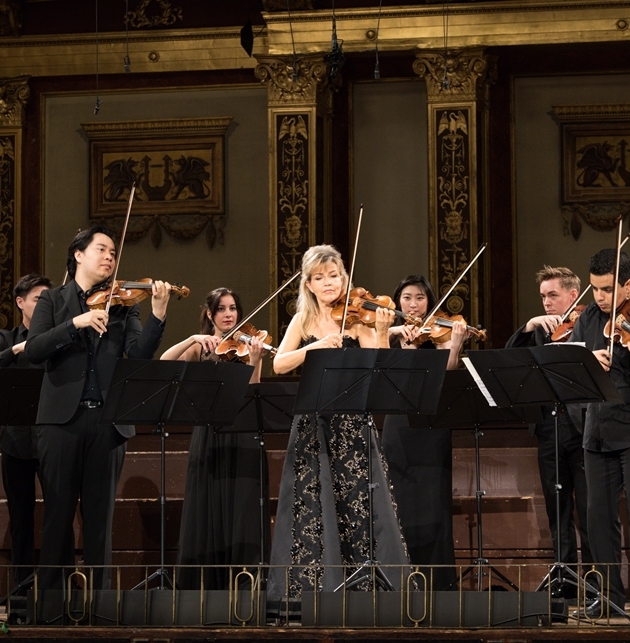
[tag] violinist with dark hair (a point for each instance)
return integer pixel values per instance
(420, 459)
(606, 435)
(323, 520)
(20, 465)
(80, 458)
(220, 522)
(559, 289)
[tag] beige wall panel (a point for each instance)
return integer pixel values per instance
(242, 263)
(539, 223)
(390, 179)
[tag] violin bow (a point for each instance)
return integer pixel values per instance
(461, 276)
(577, 301)
(351, 275)
(264, 303)
(613, 310)
(119, 254)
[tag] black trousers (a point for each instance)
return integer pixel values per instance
(80, 461)
(572, 495)
(607, 475)
(18, 478)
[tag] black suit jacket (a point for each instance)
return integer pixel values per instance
(17, 441)
(64, 353)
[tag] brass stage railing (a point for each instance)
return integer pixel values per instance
(482, 597)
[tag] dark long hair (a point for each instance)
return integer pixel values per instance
(423, 284)
(82, 240)
(212, 303)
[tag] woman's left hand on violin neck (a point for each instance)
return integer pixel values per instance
(161, 291)
(406, 334)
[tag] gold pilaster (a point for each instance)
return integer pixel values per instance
(299, 111)
(455, 88)
(14, 93)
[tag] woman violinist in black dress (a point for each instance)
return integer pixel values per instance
(220, 522)
(420, 459)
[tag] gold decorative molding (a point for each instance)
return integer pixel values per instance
(470, 24)
(150, 51)
(457, 76)
(14, 94)
(299, 112)
(163, 15)
(599, 216)
(419, 28)
(308, 84)
(281, 5)
(152, 128)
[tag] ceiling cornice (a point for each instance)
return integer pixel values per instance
(531, 22)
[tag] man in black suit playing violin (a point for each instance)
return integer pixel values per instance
(81, 459)
(559, 289)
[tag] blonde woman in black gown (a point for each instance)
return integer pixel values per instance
(322, 516)
(220, 522)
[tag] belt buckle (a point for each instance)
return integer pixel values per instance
(90, 404)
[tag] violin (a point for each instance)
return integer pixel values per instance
(127, 293)
(621, 332)
(439, 327)
(237, 345)
(362, 307)
(564, 330)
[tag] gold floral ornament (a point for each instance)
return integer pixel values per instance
(149, 15)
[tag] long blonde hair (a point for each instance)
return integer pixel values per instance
(315, 256)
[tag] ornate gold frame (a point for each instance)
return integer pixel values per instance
(178, 168)
(595, 179)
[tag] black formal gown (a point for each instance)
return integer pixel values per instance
(221, 515)
(323, 516)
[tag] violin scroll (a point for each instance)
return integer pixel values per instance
(621, 330)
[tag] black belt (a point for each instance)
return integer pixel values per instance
(90, 404)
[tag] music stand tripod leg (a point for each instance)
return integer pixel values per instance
(560, 573)
(369, 570)
(480, 562)
(160, 573)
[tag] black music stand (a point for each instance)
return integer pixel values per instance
(553, 374)
(267, 408)
(463, 406)
(352, 380)
(173, 392)
(19, 399)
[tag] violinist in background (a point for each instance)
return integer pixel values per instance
(221, 513)
(81, 459)
(606, 429)
(20, 465)
(559, 288)
(323, 516)
(420, 459)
